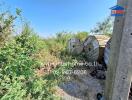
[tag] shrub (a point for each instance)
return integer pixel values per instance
(7, 25)
(82, 35)
(18, 79)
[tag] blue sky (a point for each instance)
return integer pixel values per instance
(48, 17)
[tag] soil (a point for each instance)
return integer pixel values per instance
(81, 87)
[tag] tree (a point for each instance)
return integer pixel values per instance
(104, 27)
(7, 25)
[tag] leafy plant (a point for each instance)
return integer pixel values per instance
(104, 27)
(82, 35)
(7, 25)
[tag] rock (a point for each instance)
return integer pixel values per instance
(99, 74)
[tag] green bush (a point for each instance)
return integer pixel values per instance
(7, 25)
(18, 79)
(82, 35)
(21, 56)
(13, 90)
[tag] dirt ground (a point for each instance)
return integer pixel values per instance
(84, 87)
(81, 87)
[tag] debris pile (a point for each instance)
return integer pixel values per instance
(89, 48)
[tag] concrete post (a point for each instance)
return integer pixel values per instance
(120, 64)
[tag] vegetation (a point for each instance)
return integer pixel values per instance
(23, 56)
(104, 27)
